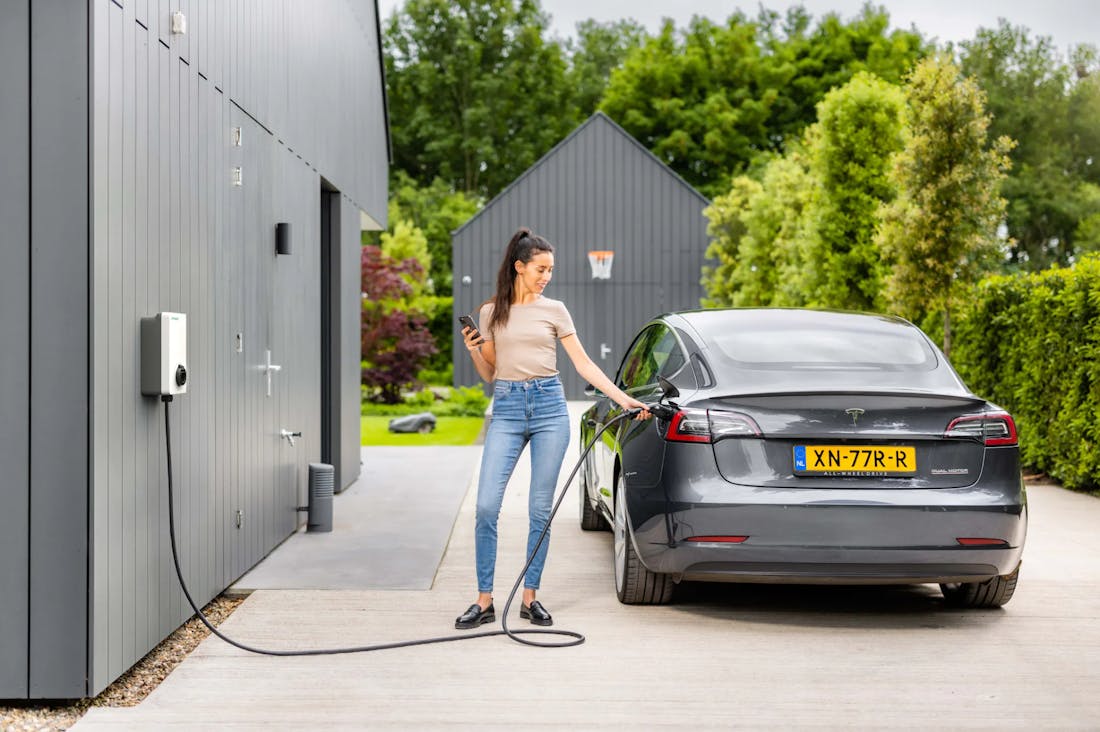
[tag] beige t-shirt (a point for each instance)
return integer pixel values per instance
(527, 347)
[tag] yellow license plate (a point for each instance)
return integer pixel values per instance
(854, 460)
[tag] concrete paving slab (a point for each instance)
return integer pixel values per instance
(390, 528)
(723, 656)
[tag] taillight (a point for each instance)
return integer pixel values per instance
(701, 425)
(731, 424)
(689, 425)
(996, 428)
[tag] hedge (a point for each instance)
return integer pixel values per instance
(1031, 343)
(463, 401)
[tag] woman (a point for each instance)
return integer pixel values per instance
(516, 351)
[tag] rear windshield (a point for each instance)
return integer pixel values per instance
(875, 349)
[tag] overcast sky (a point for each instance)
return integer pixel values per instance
(1068, 22)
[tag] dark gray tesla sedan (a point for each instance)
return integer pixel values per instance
(804, 447)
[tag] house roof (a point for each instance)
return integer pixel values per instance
(596, 118)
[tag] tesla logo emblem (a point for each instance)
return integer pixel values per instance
(855, 413)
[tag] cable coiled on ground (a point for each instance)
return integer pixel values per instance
(575, 638)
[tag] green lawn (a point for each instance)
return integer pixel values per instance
(448, 431)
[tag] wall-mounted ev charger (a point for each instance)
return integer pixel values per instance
(164, 355)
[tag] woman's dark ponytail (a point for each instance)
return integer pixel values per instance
(522, 247)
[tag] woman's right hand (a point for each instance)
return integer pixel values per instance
(631, 403)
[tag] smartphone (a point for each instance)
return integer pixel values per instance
(467, 322)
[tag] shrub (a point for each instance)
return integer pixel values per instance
(468, 401)
(423, 399)
(438, 377)
(394, 341)
(464, 401)
(1031, 343)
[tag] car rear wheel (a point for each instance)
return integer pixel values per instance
(634, 584)
(591, 519)
(993, 592)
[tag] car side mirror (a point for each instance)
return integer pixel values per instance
(590, 390)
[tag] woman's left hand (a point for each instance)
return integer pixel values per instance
(632, 403)
(474, 340)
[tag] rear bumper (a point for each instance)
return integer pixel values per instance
(740, 563)
(832, 538)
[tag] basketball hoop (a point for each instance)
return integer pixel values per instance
(601, 263)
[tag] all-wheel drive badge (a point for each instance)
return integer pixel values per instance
(855, 413)
(950, 471)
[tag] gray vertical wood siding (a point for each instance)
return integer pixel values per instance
(597, 189)
(169, 231)
(15, 255)
(117, 202)
(59, 394)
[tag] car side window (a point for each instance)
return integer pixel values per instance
(655, 353)
(633, 363)
(667, 355)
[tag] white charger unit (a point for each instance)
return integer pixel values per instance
(164, 354)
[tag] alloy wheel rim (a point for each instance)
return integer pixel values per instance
(620, 537)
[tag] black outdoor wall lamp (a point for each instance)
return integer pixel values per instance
(282, 238)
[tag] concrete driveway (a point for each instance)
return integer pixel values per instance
(723, 656)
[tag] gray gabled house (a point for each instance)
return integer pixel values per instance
(597, 190)
(149, 152)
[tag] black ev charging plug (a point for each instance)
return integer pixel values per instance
(661, 411)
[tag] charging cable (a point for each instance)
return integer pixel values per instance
(575, 638)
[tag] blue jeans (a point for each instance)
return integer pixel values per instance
(523, 411)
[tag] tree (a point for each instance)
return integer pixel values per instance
(794, 190)
(405, 241)
(806, 233)
(694, 99)
(476, 91)
(1086, 237)
(436, 210)
(758, 231)
(429, 213)
(712, 100)
(728, 227)
(394, 341)
(598, 49)
(408, 242)
(859, 128)
(1051, 108)
(1084, 113)
(940, 231)
(810, 63)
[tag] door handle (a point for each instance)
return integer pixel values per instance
(268, 368)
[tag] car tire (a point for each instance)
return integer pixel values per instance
(425, 428)
(634, 584)
(591, 519)
(993, 592)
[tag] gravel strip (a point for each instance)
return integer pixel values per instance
(130, 688)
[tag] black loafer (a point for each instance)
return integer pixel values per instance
(536, 613)
(475, 616)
